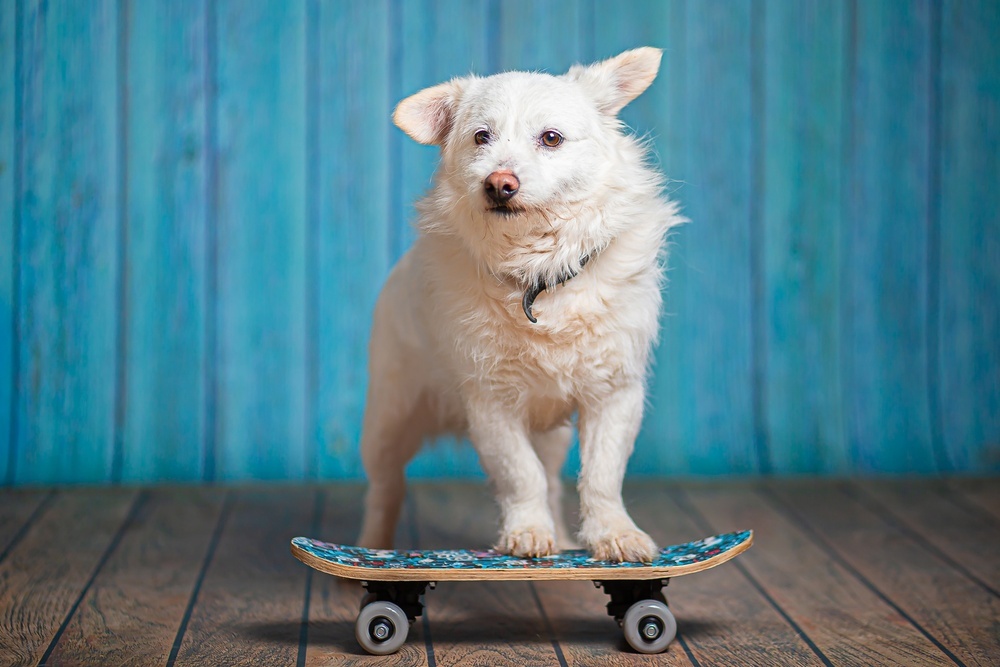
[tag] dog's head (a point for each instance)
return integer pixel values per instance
(529, 161)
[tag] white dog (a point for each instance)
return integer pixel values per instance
(531, 293)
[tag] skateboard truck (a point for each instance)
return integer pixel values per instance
(640, 608)
(404, 594)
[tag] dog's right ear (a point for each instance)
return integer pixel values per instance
(427, 116)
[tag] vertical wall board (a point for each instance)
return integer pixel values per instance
(354, 217)
(432, 50)
(68, 253)
(165, 251)
(968, 319)
(432, 41)
(651, 117)
(540, 36)
(701, 391)
(543, 37)
(800, 234)
(261, 239)
(884, 260)
(8, 235)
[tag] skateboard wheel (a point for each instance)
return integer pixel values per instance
(649, 626)
(381, 627)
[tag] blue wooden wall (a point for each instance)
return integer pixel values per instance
(199, 200)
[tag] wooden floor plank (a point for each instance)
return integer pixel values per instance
(969, 541)
(481, 622)
(142, 590)
(18, 511)
(721, 616)
(982, 494)
(45, 573)
(334, 602)
(939, 599)
(577, 614)
(847, 621)
(249, 607)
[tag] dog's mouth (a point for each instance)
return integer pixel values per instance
(505, 211)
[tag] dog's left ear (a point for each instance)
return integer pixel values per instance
(427, 116)
(617, 81)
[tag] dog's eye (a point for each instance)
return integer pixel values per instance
(482, 137)
(551, 138)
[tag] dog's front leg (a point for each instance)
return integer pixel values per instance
(517, 475)
(608, 425)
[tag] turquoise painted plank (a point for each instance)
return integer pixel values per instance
(354, 120)
(68, 253)
(431, 50)
(801, 213)
(884, 264)
(968, 315)
(541, 36)
(653, 117)
(262, 241)
(546, 37)
(166, 300)
(426, 49)
(8, 225)
(701, 391)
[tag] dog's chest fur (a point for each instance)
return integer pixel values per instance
(593, 332)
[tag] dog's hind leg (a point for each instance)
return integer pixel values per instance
(551, 447)
(391, 436)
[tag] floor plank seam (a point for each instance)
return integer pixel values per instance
(137, 503)
(28, 523)
(411, 525)
(681, 499)
(227, 506)
(317, 517)
(879, 509)
(819, 541)
(548, 625)
(958, 499)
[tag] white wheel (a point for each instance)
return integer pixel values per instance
(649, 626)
(381, 627)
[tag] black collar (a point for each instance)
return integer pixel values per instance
(539, 286)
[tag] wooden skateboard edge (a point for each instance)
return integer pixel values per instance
(521, 574)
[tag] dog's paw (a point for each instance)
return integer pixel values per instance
(630, 545)
(528, 542)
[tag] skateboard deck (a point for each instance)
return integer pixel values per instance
(396, 580)
(350, 562)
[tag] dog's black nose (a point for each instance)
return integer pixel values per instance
(501, 186)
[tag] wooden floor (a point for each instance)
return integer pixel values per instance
(858, 573)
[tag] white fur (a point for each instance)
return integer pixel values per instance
(451, 349)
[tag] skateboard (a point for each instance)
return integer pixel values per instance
(395, 581)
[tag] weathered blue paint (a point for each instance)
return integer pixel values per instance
(354, 217)
(432, 51)
(166, 260)
(68, 253)
(261, 224)
(200, 200)
(701, 400)
(884, 253)
(9, 262)
(800, 214)
(968, 285)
